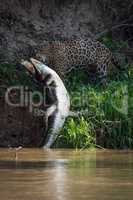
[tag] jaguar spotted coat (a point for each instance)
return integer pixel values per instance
(89, 54)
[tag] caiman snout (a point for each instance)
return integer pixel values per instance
(34, 68)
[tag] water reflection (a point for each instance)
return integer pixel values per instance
(63, 175)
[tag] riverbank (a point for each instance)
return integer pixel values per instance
(104, 117)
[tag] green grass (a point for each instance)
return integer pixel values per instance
(106, 114)
(77, 133)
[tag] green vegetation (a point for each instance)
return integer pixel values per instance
(105, 116)
(77, 133)
(10, 76)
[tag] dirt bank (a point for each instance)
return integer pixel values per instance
(25, 24)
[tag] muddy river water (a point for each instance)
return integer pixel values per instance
(34, 174)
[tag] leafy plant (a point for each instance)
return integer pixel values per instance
(78, 133)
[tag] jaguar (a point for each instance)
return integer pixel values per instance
(91, 55)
